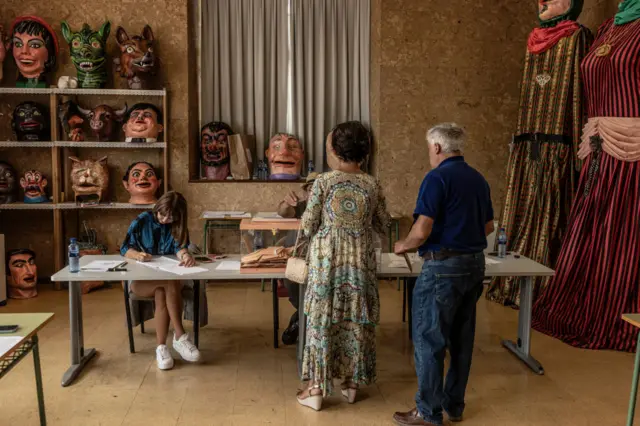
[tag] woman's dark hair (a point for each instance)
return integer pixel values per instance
(141, 107)
(125, 178)
(34, 28)
(351, 141)
(174, 204)
(216, 126)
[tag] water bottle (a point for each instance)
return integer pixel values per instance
(74, 256)
(502, 243)
(258, 241)
(310, 167)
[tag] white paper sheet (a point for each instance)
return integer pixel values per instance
(490, 261)
(101, 265)
(229, 265)
(8, 342)
(171, 266)
(229, 214)
(271, 217)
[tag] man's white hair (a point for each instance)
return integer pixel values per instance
(449, 136)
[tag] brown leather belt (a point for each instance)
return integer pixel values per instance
(442, 254)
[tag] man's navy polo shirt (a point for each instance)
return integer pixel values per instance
(458, 199)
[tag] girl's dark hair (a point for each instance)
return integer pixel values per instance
(216, 126)
(351, 141)
(34, 28)
(174, 204)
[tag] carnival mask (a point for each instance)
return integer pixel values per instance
(285, 155)
(33, 184)
(142, 183)
(34, 47)
(23, 274)
(214, 150)
(144, 124)
(89, 179)
(71, 121)
(136, 56)
(31, 122)
(7, 183)
(87, 49)
(550, 12)
(101, 120)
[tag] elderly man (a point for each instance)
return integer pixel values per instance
(453, 217)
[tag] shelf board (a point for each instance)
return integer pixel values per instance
(126, 145)
(24, 91)
(27, 206)
(109, 206)
(112, 92)
(16, 144)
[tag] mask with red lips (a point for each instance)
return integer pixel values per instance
(214, 150)
(31, 122)
(142, 183)
(34, 184)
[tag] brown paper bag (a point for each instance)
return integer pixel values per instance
(242, 149)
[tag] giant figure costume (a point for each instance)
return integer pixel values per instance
(598, 273)
(542, 168)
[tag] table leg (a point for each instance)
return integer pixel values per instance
(302, 329)
(79, 357)
(522, 347)
(634, 386)
(276, 309)
(36, 367)
(397, 227)
(404, 299)
(410, 286)
(206, 237)
(196, 312)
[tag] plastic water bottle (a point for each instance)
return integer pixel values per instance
(258, 241)
(74, 256)
(310, 167)
(502, 243)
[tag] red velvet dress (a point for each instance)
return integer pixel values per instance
(597, 276)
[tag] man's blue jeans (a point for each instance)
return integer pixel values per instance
(444, 316)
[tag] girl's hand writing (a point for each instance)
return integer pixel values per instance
(187, 261)
(143, 257)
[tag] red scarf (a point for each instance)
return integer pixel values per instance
(543, 39)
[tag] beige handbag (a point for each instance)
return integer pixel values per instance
(297, 267)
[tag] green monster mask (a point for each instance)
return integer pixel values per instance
(551, 12)
(88, 53)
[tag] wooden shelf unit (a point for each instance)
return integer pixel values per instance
(59, 181)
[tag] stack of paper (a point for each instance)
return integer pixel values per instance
(172, 266)
(101, 265)
(223, 215)
(271, 217)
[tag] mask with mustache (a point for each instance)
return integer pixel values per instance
(34, 184)
(31, 122)
(214, 150)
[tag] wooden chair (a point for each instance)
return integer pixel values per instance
(142, 300)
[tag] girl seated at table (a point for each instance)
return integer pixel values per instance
(163, 231)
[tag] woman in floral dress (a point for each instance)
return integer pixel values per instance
(342, 305)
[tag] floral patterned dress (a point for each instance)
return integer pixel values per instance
(341, 302)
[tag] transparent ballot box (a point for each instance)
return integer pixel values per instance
(266, 245)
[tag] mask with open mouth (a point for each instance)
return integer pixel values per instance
(214, 150)
(31, 122)
(23, 274)
(87, 49)
(33, 184)
(34, 46)
(142, 183)
(89, 179)
(137, 58)
(8, 186)
(550, 12)
(285, 156)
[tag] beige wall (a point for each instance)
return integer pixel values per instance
(432, 61)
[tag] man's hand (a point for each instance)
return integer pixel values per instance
(291, 199)
(187, 261)
(143, 257)
(400, 247)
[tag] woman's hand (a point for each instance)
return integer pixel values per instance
(142, 257)
(187, 261)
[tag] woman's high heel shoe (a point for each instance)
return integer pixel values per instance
(312, 401)
(349, 390)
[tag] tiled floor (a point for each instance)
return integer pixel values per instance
(244, 381)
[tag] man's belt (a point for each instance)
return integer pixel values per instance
(442, 254)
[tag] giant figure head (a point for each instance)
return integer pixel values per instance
(142, 183)
(143, 123)
(137, 59)
(214, 150)
(87, 49)
(31, 122)
(89, 179)
(33, 184)
(285, 156)
(8, 185)
(23, 274)
(550, 12)
(34, 46)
